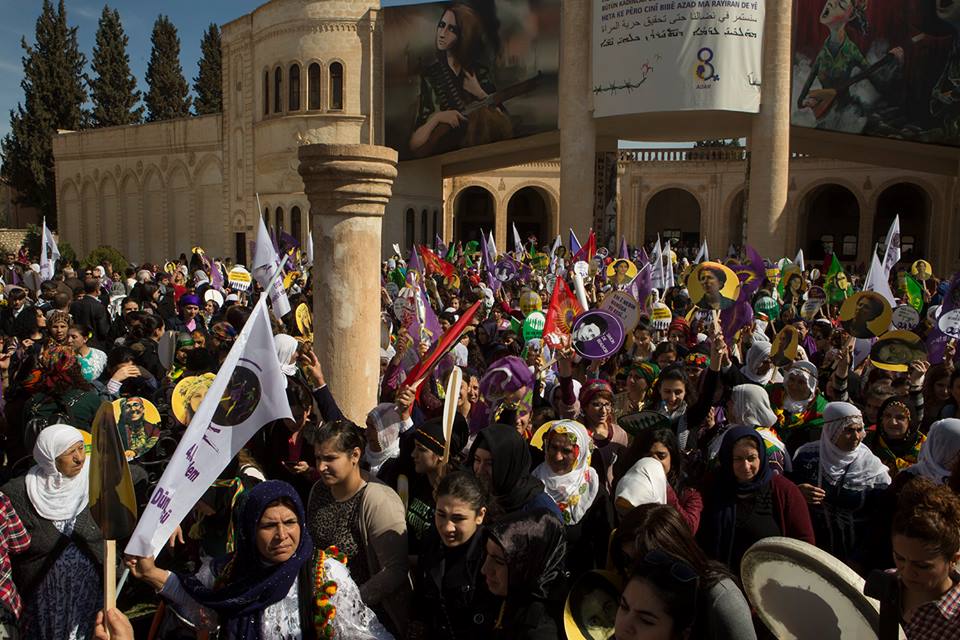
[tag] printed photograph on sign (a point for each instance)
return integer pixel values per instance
(783, 351)
(597, 334)
(620, 272)
(713, 286)
(138, 422)
(866, 314)
(921, 270)
(895, 350)
(467, 73)
(883, 69)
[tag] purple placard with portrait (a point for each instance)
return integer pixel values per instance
(597, 334)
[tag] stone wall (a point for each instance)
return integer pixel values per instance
(11, 239)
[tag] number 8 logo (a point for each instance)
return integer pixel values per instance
(705, 70)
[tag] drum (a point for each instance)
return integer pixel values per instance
(800, 591)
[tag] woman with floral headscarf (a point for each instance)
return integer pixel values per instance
(896, 440)
(841, 480)
(59, 575)
(798, 405)
(61, 390)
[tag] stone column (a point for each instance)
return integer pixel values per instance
(578, 138)
(348, 187)
(500, 232)
(770, 137)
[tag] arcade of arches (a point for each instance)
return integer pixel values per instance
(842, 206)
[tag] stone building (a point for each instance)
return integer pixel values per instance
(309, 71)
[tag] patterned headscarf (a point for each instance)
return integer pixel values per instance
(575, 490)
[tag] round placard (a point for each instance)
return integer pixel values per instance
(624, 306)
(505, 270)
(533, 325)
(794, 284)
(713, 286)
(581, 268)
(187, 396)
(597, 334)
(138, 422)
(304, 320)
(817, 293)
(905, 317)
(621, 271)
(660, 316)
(866, 314)
(590, 611)
(530, 301)
(783, 351)
(895, 350)
(921, 270)
(949, 323)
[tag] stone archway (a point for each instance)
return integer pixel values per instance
(529, 209)
(474, 209)
(673, 213)
(830, 222)
(912, 203)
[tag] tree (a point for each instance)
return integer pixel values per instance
(207, 83)
(167, 94)
(113, 90)
(53, 98)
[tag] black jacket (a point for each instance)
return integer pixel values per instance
(91, 312)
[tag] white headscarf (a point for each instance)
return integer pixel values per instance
(386, 421)
(939, 451)
(286, 350)
(859, 469)
(55, 496)
(645, 483)
(757, 353)
(752, 406)
(809, 372)
(574, 491)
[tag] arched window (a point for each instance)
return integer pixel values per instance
(266, 217)
(423, 227)
(436, 223)
(313, 86)
(410, 229)
(293, 102)
(266, 92)
(277, 90)
(850, 245)
(279, 223)
(295, 227)
(336, 86)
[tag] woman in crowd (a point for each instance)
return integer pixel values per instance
(897, 440)
(644, 483)
(936, 393)
(92, 361)
(451, 598)
(524, 567)
(722, 611)
(798, 405)
(661, 444)
(383, 428)
(686, 407)
(145, 340)
(659, 600)
(940, 453)
(364, 520)
(59, 576)
(58, 324)
(577, 489)
(747, 501)
(501, 459)
(636, 396)
(926, 551)
(841, 480)
(270, 586)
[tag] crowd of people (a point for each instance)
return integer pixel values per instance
(645, 473)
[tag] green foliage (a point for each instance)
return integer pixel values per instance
(106, 252)
(53, 98)
(167, 94)
(113, 90)
(67, 254)
(207, 85)
(32, 241)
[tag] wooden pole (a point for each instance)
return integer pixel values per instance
(109, 578)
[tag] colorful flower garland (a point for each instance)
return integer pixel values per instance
(323, 590)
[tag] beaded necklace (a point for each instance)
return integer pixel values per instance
(323, 590)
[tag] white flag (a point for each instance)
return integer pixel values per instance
(517, 243)
(877, 281)
(49, 253)
(492, 248)
(799, 260)
(704, 254)
(266, 264)
(668, 281)
(310, 248)
(891, 254)
(246, 394)
(656, 259)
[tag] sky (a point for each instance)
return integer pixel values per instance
(190, 17)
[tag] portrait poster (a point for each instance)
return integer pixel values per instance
(866, 315)
(895, 350)
(713, 286)
(683, 55)
(883, 69)
(467, 73)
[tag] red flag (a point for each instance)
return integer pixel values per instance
(434, 263)
(564, 307)
(588, 250)
(440, 348)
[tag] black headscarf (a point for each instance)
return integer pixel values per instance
(430, 435)
(250, 584)
(534, 546)
(512, 484)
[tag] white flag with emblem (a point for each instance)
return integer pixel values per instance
(265, 264)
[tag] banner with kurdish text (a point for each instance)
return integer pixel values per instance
(676, 55)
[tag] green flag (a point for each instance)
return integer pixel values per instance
(914, 292)
(783, 279)
(837, 284)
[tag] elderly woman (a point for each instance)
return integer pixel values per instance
(272, 585)
(59, 575)
(840, 479)
(798, 405)
(897, 440)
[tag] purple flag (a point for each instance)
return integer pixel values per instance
(937, 340)
(414, 264)
(492, 282)
(623, 254)
(738, 316)
(642, 257)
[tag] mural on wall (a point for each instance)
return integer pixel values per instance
(470, 72)
(888, 69)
